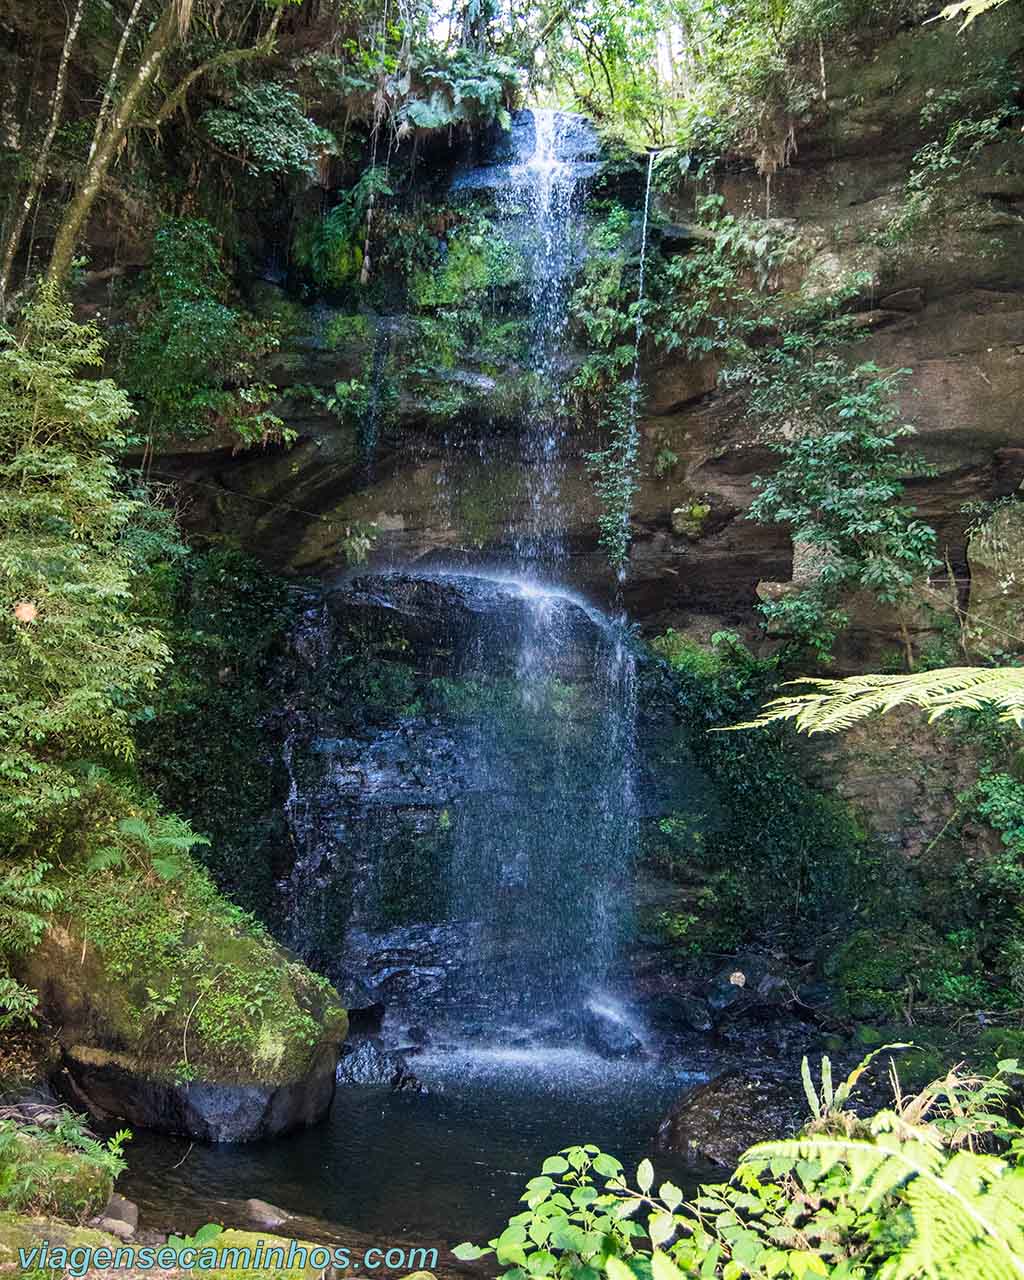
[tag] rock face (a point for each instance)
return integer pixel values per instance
(719, 1120)
(945, 303)
(118, 1064)
(422, 716)
(113, 1085)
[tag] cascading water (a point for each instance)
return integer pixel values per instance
(529, 695)
(544, 844)
(543, 841)
(459, 822)
(539, 210)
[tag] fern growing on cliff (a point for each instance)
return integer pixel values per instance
(835, 705)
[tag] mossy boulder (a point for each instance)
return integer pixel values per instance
(178, 1012)
(19, 1231)
(688, 521)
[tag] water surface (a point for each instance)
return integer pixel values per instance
(435, 1168)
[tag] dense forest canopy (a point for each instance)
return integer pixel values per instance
(157, 109)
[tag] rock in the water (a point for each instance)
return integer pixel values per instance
(609, 1036)
(674, 1013)
(123, 1210)
(262, 1214)
(366, 1063)
(113, 1084)
(719, 1120)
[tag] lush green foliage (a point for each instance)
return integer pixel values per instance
(24, 903)
(837, 489)
(265, 127)
(763, 854)
(979, 112)
(460, 85)
(330, 247)
(834, 423)
(686, 72)
(78, 658)
(195, 981)
(904, 1193)
(61, 1171)
(189, 361)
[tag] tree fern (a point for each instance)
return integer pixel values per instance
(836, 705)
(968, 10)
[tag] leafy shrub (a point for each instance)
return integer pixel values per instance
(330, 248)
(25, 901)
(460, 86)
(79, 658)
(265, 127)
(190, 362)
(903, 1193)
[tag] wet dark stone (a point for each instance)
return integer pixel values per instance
(817, 995)
(109, 1085)
(367, 1063)
(720, 1120)
(675, 1013)
(608, 1036)
(410, 965)
(458, 624)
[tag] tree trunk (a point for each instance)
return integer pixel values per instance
(38, 176)
(107, 142)
(160, 41)
(115, 71)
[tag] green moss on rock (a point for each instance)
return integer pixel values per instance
(39, 1173)
(871, 971)
(18, 1231)
(189, 984)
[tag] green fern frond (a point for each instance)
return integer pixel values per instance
(836, 705)
(967, 1210)
(105, 858)
(968, 10)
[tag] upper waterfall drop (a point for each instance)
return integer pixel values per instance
(537, 181)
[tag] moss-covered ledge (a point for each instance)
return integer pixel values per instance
(177, 1011)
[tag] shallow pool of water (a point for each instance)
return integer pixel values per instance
(440, 1167)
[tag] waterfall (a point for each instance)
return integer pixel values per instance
(539, 207)
(544, 840)
(548, 880)
(500, 775)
